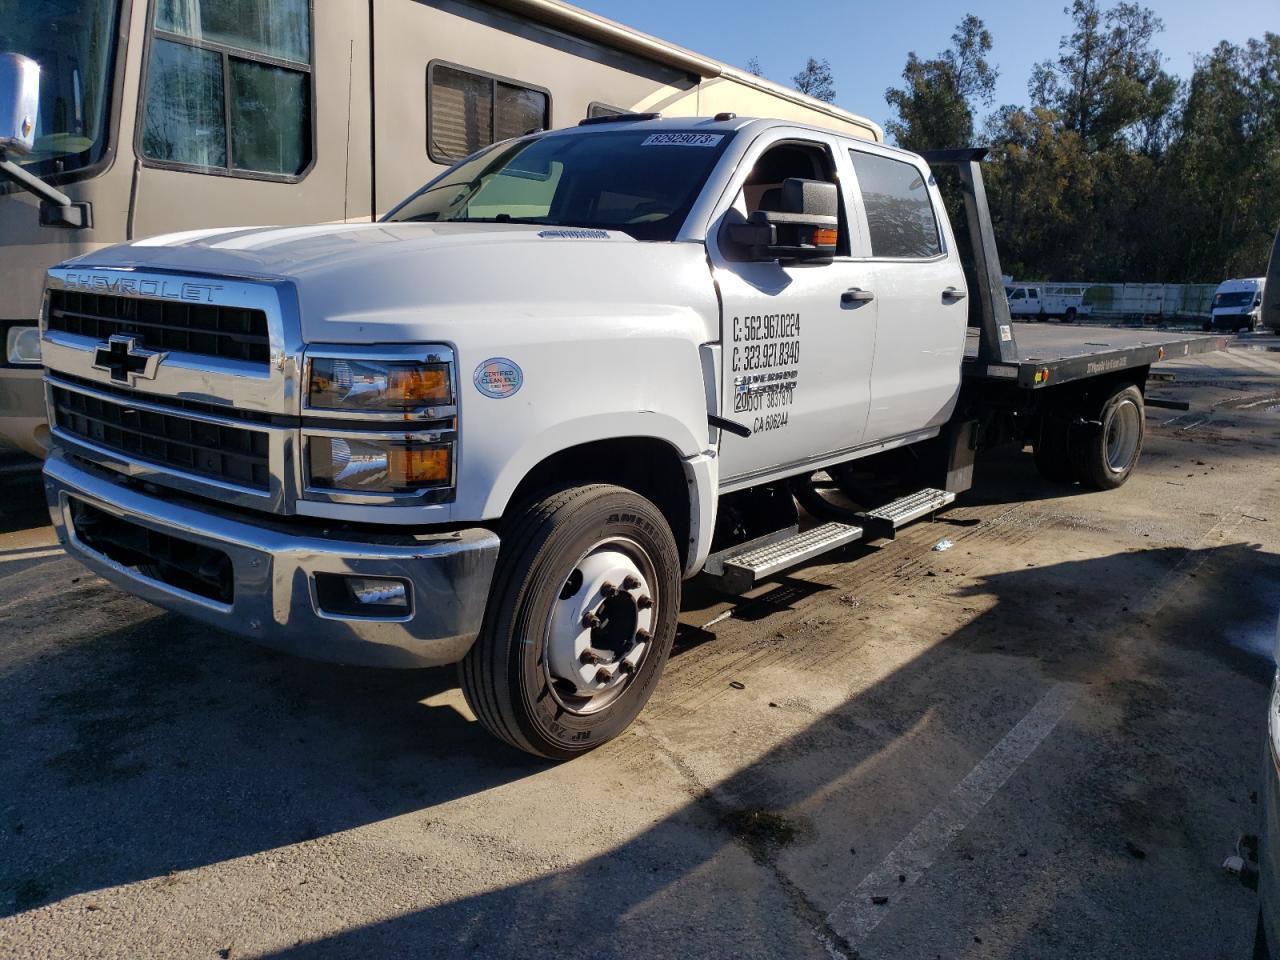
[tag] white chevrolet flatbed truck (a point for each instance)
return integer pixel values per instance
(499, 427)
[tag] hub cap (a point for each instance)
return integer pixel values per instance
(600, 629)
(1122, 436)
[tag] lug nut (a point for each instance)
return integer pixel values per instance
(630, 583)
(644, 603)
(603, 676)
(588, 657)
(608, 589)
(590, 620)
(643, 636)
(626, 666)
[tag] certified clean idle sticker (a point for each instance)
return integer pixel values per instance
(498, 377)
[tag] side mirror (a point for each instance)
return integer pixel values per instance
(807, 227)
(19, 101)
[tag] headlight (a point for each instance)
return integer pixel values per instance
(377, 385)
(378, 465)
(22, 345)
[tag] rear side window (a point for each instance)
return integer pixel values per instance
(468, 110)
(899, 210)
(229, 87)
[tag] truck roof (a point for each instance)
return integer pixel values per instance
(732, 124)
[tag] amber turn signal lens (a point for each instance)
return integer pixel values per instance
(421, 466)
(824, 238)
(420, 386)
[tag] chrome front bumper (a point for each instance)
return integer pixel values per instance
(274, 598)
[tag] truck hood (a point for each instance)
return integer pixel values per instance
(395, 282)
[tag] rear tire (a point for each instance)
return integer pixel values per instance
(1070, 315)
(532, 677)
(1103, 457)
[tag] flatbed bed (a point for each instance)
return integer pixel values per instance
(1051, 354)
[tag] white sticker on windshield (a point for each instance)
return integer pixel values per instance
(683, 140)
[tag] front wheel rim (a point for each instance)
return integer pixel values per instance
(1123, 431)
(600, 629)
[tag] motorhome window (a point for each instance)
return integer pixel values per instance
(73, 41)
(899, 210)
(468, 111)
(627, 181)
(229, 87)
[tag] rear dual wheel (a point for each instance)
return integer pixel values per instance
(1100, 454)
(581, 618)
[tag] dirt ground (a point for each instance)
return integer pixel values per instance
(1040, 743)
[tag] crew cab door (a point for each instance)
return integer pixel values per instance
(920, 289)
(797, 338)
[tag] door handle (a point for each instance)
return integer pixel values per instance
(856, 295)
(953, 293)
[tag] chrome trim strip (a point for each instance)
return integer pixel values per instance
(138, 403)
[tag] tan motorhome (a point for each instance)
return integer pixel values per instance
(156, 116)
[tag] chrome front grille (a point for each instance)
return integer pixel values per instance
(203, 329)
(203, 446)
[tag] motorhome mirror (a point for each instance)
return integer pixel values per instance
(19, 100)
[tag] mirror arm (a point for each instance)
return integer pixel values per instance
(56, 208)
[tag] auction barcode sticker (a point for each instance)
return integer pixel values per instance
(683, 140)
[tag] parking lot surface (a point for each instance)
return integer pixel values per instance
(1041, 742)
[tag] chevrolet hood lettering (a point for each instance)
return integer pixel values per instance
(137, 287)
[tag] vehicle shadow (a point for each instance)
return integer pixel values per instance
(686, 871)
(165, 746)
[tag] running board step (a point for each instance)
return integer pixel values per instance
(745, 570)
(883, 523)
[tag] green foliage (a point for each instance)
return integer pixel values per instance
(935, 103)
(816, 80)
(1115, 171)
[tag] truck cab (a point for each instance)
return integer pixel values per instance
(1237, 305)
(1025, 302)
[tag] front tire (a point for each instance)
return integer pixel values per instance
(1104, 457)
(581, 618)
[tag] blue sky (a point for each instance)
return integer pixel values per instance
(867, 43)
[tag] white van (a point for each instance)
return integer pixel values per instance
(1237, 305)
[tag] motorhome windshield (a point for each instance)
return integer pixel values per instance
(638, 182)
(73, 41)
(1239, 298)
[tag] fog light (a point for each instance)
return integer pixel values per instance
(374, 591)
(349, 596)
(22, 345)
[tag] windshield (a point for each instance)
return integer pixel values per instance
(1240, 298)
(73, 41)
(639, 182)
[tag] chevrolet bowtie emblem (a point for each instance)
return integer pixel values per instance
(127, 362)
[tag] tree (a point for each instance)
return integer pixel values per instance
(935, 103)
(816, 80)
(753, 67)
(1224, 164)
(1107, 81)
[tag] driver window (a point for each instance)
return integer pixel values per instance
(807, 161)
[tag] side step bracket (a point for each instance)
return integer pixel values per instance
(883, 523)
